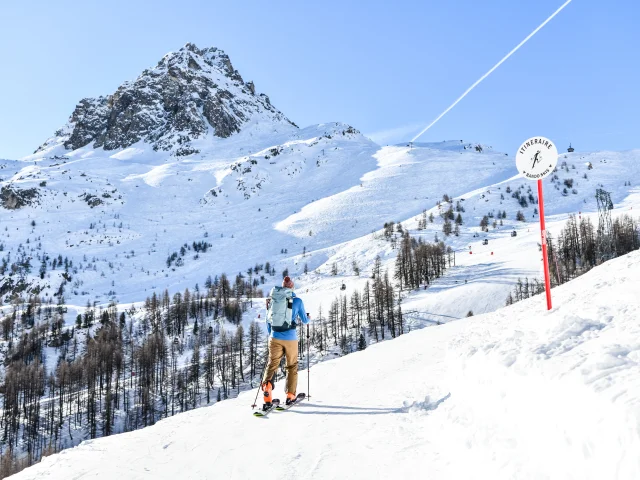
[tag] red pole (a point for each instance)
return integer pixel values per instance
(543, 233)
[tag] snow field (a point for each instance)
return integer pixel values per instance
(518, 393)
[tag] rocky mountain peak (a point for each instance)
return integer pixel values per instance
(190, 57)
(189, 94)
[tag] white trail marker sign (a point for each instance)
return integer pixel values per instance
(536, 159)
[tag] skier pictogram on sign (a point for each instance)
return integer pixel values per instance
(536, 158)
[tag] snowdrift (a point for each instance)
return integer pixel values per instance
(518, 393)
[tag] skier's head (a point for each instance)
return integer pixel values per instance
(287, 282)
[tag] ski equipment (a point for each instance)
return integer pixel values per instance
(267, 408)
(267, 387)
(308, 371)
(291, 403)
(280, 312)
(260, 385)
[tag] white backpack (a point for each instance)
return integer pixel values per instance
(280, 312)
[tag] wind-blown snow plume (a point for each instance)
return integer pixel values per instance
(492, 69)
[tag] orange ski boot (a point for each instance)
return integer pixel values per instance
(267, 387)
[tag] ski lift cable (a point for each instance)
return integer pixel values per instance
(491, 71)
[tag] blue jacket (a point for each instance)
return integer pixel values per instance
(298, 312)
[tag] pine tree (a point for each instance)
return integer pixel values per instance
(377, 266)
(446, 227)
(449, 215)
(344, 345)
(356, 268)
(362, 342)
(509, 300)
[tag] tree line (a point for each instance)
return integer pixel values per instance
(116, 371)
(375, 312)
(578, 248)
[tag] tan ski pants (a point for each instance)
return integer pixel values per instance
(288, 349)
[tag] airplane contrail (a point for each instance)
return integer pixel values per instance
(491, 71)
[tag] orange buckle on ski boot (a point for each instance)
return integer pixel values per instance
(267, 387)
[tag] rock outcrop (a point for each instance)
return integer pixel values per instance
(13, 198)
(189, 94)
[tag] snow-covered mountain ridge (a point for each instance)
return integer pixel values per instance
(267, 191)
(104, 188)
(188, 95)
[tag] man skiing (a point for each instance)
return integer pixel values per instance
(283, 309)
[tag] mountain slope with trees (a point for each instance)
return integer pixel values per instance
(465, 389)
(134, 260)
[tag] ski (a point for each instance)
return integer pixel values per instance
(264, 413)
(298, 399)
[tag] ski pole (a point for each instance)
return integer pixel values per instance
(255, 401)
(308, 370)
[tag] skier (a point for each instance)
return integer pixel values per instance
(283, 309)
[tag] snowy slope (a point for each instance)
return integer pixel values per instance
(118, 215)
(272, 190)
(188, 152)
(146, 207)
(405, 181)
(519, 393)
(481, 280)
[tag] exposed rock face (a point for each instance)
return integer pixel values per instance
(189, 93)
(91, 200)
(13, 198)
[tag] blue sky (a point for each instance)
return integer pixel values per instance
(388, 68)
